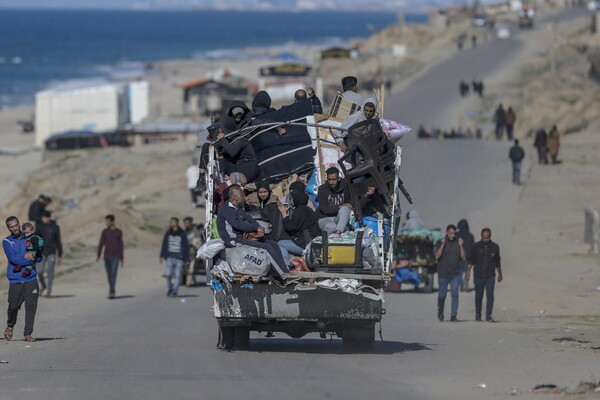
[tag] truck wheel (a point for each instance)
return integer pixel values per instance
(358, 340)
(428, 288)
(234, 338)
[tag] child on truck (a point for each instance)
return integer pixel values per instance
(33, 245)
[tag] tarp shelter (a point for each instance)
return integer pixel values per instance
(205, 96)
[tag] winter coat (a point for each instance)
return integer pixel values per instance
(301, 224)
(553, 142)
(541, 139)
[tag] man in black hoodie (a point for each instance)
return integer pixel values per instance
(468, 240)
(334, 204)
(52, 251)
(300, 224)
(236, 153)
(175, 250)
(261, 104)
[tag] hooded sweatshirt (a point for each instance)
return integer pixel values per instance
(467, 237)
(330, 199)
(301, 223)
(414, 221)
(261, 104)
(15, 248)
(245, 119)
(236, 149)
(353, 119)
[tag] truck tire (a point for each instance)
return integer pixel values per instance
(358, 340)
(428, 288)
(234, 338)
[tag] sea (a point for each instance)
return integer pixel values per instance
(39, 48)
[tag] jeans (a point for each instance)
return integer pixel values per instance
(486, 284)
(463, 270)
(46, 267)
(289, 248)
(173, 270)
(516, 169)
(443, 284)
(337, 223)
(19, 293)
(112, 266)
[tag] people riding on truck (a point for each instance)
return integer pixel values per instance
(236, 227)
(334, 203)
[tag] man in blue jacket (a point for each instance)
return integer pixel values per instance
(21, 290)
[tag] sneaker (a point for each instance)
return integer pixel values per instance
(335, 236)
(453, 319)
(478, 317)
(200, 184)
(26, 273)
(489, 319)
(440, 315)
(169, 293)
(17, 269)
(111, 296)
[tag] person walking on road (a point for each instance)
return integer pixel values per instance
(541, 144)
(37, 208)
(516, 155)
(554, 144)
(449, 252)
(193, 174)
(21, 289)
(52, 251)
(175, 251)
(111, 241)
(468, 240)
(510, 120)
(484, 260)
(500, 121)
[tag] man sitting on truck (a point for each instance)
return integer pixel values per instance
(334, 204)
(236, 227)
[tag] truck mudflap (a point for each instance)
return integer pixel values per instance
(268, 302)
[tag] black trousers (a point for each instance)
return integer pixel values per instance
(19, 293)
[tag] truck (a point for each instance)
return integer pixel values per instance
(343, 300)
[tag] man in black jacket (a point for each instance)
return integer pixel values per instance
(448, 252)
(37, 208)
(52, 251)
(484, 260)
(334, 203)
(516, 155)
(175, 250)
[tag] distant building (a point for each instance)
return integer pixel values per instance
(91, 106)
(205, 96)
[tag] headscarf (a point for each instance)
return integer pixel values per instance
(263, 185)
(299, 198)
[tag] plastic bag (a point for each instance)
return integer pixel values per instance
(394, 130)
(210, 249)
(248, 260)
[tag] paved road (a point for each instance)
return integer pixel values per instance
(146, 346)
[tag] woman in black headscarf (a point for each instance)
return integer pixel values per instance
(301, 224)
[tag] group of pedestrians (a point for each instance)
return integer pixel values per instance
(547, 143)
(504, 121)
(452, 133)
(477, 87)
(454, 252)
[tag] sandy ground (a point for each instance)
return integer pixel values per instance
(550, 291)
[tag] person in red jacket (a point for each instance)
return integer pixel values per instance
(111, 241)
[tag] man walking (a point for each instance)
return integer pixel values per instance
(21, 289)
(516, 155)
(510, 120)
(52, 251)
(111, 241)
(485, 260)
(175, 250)
(37, 208)
(500, 120)
(449, 252)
